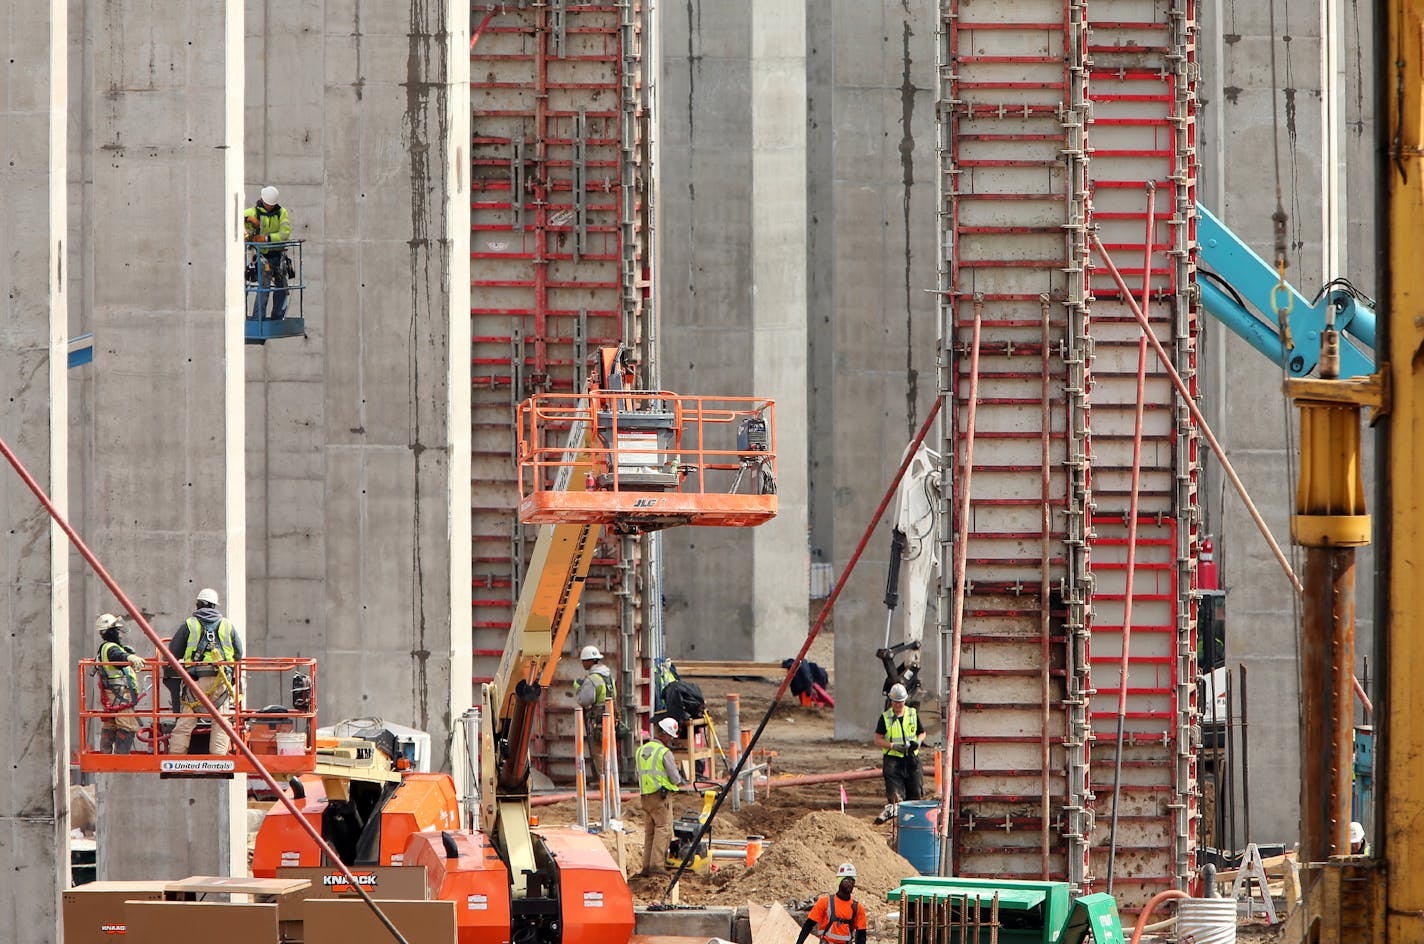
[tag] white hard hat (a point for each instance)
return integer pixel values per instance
(1357, 833)
(590, 652)
(269, 195)
(106, 622)
(847, 870)
(208, 595)
(898, 693)
(669, 726)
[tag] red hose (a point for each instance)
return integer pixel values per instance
(1147, 912)
(800, 780)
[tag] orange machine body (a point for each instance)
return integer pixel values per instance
(463, 867)
(594, 898)
(420, 801)
(595, 905)
(281, 841)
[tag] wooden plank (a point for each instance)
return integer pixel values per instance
(1275, 866)
(778, 928)
(707, 668)
(756, 915)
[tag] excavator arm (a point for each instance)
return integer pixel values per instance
(1243, 292)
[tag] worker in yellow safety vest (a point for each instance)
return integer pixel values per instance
(119, 688)
(267, 221)
(898, 734)
(205, 638)
(659, 777)
(835, 917)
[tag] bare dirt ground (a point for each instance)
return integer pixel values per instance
(807, 834)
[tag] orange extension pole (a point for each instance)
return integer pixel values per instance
(956, 613)
(161, 650)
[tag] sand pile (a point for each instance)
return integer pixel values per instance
(801, 864)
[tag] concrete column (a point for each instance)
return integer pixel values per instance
(874, 320)
(780, 574)
(166, 491)
(358, 434)
(34, 809)
(733, 241)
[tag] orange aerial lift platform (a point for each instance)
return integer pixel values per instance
(283, 735)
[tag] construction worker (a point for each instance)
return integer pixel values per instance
(204, 638)
(1358, 846)
(593, 692)
(898, 734)
(267, 221)
(835, 916)
(119, 688)
(659, 777)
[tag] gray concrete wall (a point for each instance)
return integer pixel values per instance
(873, 337)
(358, 434)
(732, 276)
(164, 478)
(1241, 393)
(34, 739)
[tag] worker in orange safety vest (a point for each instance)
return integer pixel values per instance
(835, 917)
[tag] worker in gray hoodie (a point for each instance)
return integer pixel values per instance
(592, 692)
(205, 638)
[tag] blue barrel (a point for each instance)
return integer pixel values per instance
(917, 835)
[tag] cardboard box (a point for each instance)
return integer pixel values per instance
(395, 882)
(329, 921)
(95, 913)
(212, 922)
(195, 887)
(285, 893)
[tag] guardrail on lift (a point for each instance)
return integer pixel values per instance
(284, 735)
(650, 459)
(273, 299)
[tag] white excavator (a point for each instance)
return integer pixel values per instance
(912, 542)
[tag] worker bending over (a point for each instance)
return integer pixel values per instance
(659, 777)
(835, 916)
(204, 638)
(118, 690)
(898, 734)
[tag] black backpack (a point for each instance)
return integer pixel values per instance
(682, 700)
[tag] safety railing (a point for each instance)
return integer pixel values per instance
(646, 460)
(282, 732)
(275, 290)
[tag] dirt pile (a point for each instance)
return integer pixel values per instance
(801, 864)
